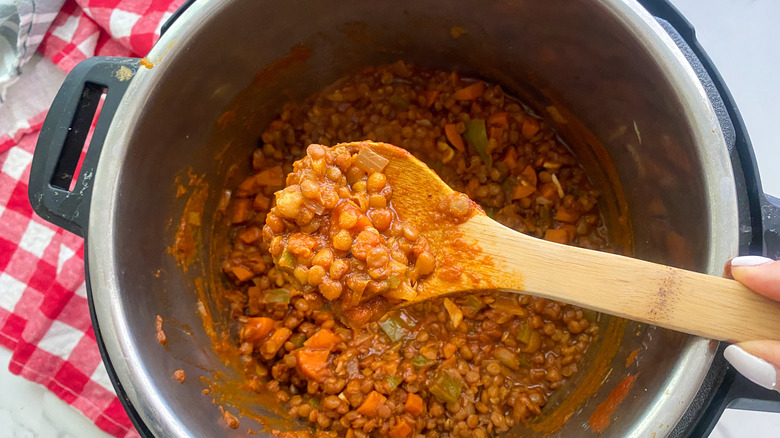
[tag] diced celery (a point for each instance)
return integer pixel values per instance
(421, 361)
(298, 339)
(280, 295)
(472, 305)
(394, 328)
(476, 136)
(393, 382)
(446, 388)
(507, 358)
(510, 305)
(286, 260)
(524, 333)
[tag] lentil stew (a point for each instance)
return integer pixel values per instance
(472, 365)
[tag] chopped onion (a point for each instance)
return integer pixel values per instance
(352, 367)
(456, 315)
(403, 292)
(558, 186)
(370, 161)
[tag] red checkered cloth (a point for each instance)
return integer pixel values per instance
(44, 316)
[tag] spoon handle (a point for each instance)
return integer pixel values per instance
(673, 298)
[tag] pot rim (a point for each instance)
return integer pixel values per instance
(662, 413)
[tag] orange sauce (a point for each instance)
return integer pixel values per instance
(602, 416)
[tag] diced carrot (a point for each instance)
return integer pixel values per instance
(241, 273)
(529, 175)
(558, 236)
(251, 235)
(400, 430)
(496, 133)
(241, 210)
(248, 186)
(270, 177)
(261, 202)
(256, 329)
(430, 97)
(500, 119)
(567, 215)
(520, 191)
(313, 363)
(414, 404)
(368, 408)
(549, 191)
(510, 159)
(471, 92)
(324, 339)
(530, 127)
(451, 131)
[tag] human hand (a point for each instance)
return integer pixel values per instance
(759, 361)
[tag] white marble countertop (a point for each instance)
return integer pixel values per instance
(742, 38)
(29, 410)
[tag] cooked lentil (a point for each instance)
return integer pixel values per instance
(473, 365)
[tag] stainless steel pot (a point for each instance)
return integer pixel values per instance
(627, 86)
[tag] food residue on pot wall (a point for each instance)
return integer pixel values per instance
(602, 416)
(188, 233)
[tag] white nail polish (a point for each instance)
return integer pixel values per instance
(757, 370)
(749, 261)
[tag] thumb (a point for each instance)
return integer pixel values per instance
(759, 361)
(758, 273)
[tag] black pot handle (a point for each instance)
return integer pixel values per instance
(64, 133)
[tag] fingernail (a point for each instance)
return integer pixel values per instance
(757, 370)
(749, 261)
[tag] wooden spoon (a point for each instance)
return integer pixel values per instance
(480, 253)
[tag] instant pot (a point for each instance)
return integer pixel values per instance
(626, 83)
